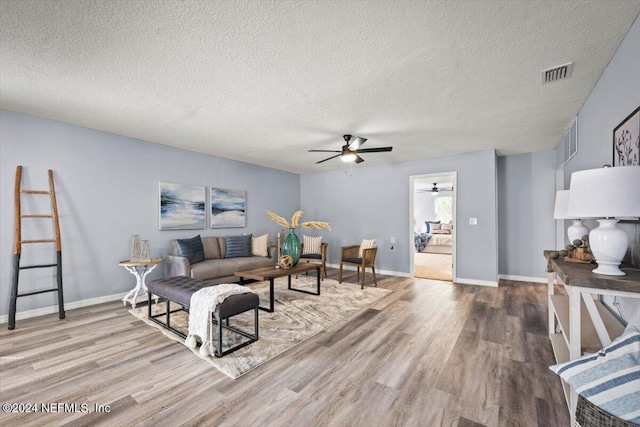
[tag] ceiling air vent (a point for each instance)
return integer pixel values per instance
(561, 72)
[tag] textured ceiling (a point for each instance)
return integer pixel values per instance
(265, 81)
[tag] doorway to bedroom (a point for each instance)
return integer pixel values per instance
(432, 226)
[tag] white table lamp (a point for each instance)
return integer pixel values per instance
(607, 193)
(578, 229)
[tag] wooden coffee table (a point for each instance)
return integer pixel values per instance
(270, 273)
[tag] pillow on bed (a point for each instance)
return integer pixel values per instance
(431, 225)
(441, 232)
(447, 226)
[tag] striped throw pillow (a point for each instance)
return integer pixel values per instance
(366, 244)
(312, 245)
(610, 379)
(238, 246)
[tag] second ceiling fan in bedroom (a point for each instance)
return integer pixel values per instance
(351, 150)
(437, 188)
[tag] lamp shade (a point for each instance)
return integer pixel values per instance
(605, 192)
(562, 204)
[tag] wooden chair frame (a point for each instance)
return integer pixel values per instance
(368, 260)
(322, 261)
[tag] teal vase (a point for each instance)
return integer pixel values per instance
(291, 246)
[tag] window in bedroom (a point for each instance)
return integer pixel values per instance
(444, 209)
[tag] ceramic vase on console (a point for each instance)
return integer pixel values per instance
(291, 246)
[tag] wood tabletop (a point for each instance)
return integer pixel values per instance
(581, 275)
(265, 273)
(129, 263)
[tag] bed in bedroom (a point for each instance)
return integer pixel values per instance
(434, 243)
(439, 244)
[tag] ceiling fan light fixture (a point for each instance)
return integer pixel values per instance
(348, 156)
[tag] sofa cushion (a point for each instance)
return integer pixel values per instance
(260, 245)
(248, 263)
(238, 246)
(213, 268)
(222, 243)
(191, 249)
(211, 247)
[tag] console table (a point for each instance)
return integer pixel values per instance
(578, 321)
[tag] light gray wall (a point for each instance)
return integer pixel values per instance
(424, 209)
(526, 196)
(374, 203)
(613, 98)
(107, 190)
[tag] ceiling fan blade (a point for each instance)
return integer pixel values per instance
(325, 151)
(329, 158)
(358, 159)
(356, 142)
(375, 150)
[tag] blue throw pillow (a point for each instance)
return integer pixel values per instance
(428, 223)
(238, 246)
(191, 249)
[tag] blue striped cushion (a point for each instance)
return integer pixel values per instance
(610, 379)
(238, 246)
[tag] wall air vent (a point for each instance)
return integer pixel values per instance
(561, 72)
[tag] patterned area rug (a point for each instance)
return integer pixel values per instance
(297, 317)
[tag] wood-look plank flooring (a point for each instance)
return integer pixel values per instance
(429, 354)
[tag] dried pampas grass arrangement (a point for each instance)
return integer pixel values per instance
(295, 221)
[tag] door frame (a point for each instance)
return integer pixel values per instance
(412, 249)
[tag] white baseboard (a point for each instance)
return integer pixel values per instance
(385, 272)
(476, 282)
(522, 278)
(21, 315)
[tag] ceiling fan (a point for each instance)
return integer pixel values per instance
(436, 190)
(351, 149)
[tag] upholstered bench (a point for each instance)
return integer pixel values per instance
(179, 290)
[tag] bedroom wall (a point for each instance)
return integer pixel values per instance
(373, 202)
(526, 197)
(614, 97)
(107, 190)
(424, 210)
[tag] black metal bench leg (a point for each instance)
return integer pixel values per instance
(219, 349)
(168, 313)
(256, 321)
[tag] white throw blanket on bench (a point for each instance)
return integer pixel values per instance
(203, 303)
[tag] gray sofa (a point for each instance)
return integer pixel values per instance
(215, 268)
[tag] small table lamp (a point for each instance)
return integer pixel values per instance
(610, 193)
(578, 229)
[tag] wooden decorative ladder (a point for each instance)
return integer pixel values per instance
(17, 248)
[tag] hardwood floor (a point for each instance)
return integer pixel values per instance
(429, 354)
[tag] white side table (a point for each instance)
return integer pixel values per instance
(140, 270)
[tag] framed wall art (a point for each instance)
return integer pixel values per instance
(182, 206)
(227, 208)
(626, 141)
